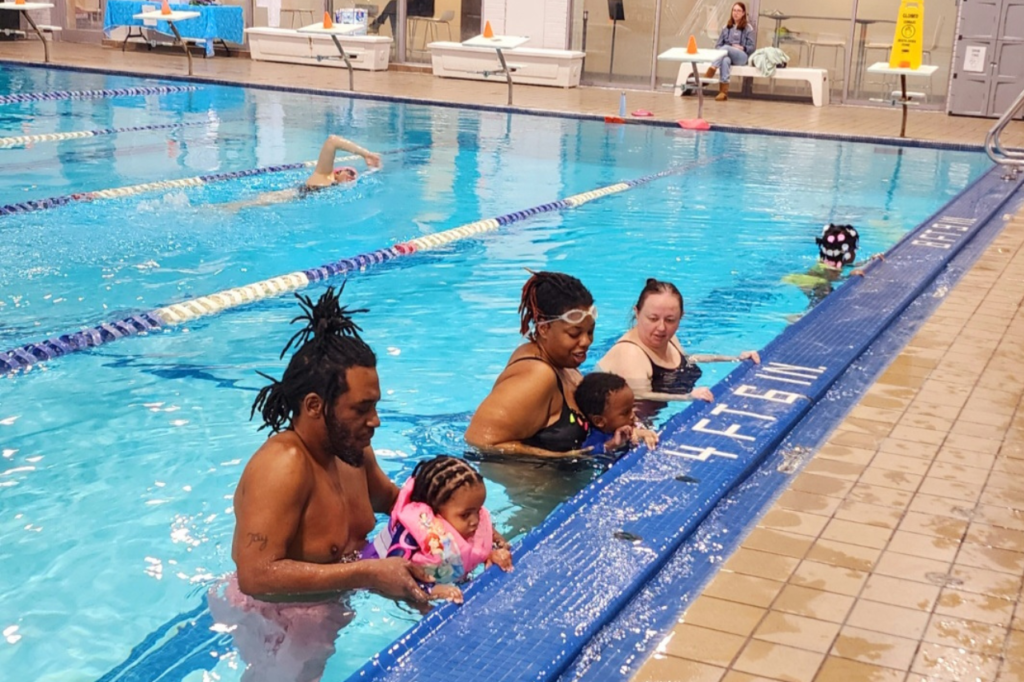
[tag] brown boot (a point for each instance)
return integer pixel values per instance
(723, 92)
(710, 73)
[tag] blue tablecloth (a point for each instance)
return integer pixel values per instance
(223, 22)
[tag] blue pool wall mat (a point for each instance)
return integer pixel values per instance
(577, 569)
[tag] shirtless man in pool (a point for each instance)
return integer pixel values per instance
(305, 504)
(324, 175)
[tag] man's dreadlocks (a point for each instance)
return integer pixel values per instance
(328, 346)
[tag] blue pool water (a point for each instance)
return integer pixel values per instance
(118, 465)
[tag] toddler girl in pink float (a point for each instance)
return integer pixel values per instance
(439, 522)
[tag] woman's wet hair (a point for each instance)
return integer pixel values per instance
(437, 479)
(837, 244)
(546, 295)
(592, 393)
(653, 286)
(328, 346)
(742, 24)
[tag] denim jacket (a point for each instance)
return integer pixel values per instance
(734, 36)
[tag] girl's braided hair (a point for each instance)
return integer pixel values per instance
(437, 479)
(328, 346)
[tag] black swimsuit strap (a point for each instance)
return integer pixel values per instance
(558, 379)
(682, 355)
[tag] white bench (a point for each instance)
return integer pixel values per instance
(529, 65)
(367, 53)
(817, 78)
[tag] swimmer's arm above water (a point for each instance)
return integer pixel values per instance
(698, 393)
(517, 448)
(269, 503)
(745, 355)
(264, 199)
(325, 162)
(860, 267)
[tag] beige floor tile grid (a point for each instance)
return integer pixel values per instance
(898, 553)
(901, 546)
(792, 116)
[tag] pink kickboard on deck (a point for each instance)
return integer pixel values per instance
(694, 124)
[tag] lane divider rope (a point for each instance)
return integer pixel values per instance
(94, 94)
(158, 185)
(203, 306)
(21, 140)
(130, 190)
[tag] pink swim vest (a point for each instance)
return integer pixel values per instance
(431, 541)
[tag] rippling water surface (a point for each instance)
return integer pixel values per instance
(118, 465)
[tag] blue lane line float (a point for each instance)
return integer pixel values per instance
(130, 190)
(163, 185)
(94, 94)
(178, 313)
(583, 565)
(20, 140)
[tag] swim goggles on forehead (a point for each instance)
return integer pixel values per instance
(574, 316)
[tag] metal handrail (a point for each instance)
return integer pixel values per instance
(1013, 160)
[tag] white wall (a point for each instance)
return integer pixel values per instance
(544, 21)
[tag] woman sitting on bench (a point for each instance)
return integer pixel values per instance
(737, 39)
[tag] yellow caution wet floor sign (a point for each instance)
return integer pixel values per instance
(907, 45)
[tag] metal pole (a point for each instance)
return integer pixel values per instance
(583, 41)
(508, 74)
(903, 88)
(344, 55)
(654, 46)
(848, 75)
(46, 46)
(700, 91)
(183, 44)
(401, 19)
(611, 59)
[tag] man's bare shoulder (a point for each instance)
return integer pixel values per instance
(282, 459)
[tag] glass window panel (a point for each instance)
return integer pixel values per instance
(679, 20)
(427, 21)
(813, 33)
(632, 38)
(876, 27)
(88, 14)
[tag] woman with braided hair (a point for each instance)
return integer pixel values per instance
(531, 410)
(440, 523)
(306, 502)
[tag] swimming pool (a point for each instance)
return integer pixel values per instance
(107, 539)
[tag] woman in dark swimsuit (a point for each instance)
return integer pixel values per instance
(531, 410)
(649, 356)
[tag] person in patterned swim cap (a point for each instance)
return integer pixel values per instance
(837, 250)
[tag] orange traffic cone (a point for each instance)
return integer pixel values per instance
(488, 31)
(165, 8)
(691, 46)
(327, 20)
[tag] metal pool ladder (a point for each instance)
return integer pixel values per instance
(1012, 161)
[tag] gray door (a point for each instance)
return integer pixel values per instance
(988, 63)
(1008, 76)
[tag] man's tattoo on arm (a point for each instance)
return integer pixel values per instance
(257, 539)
